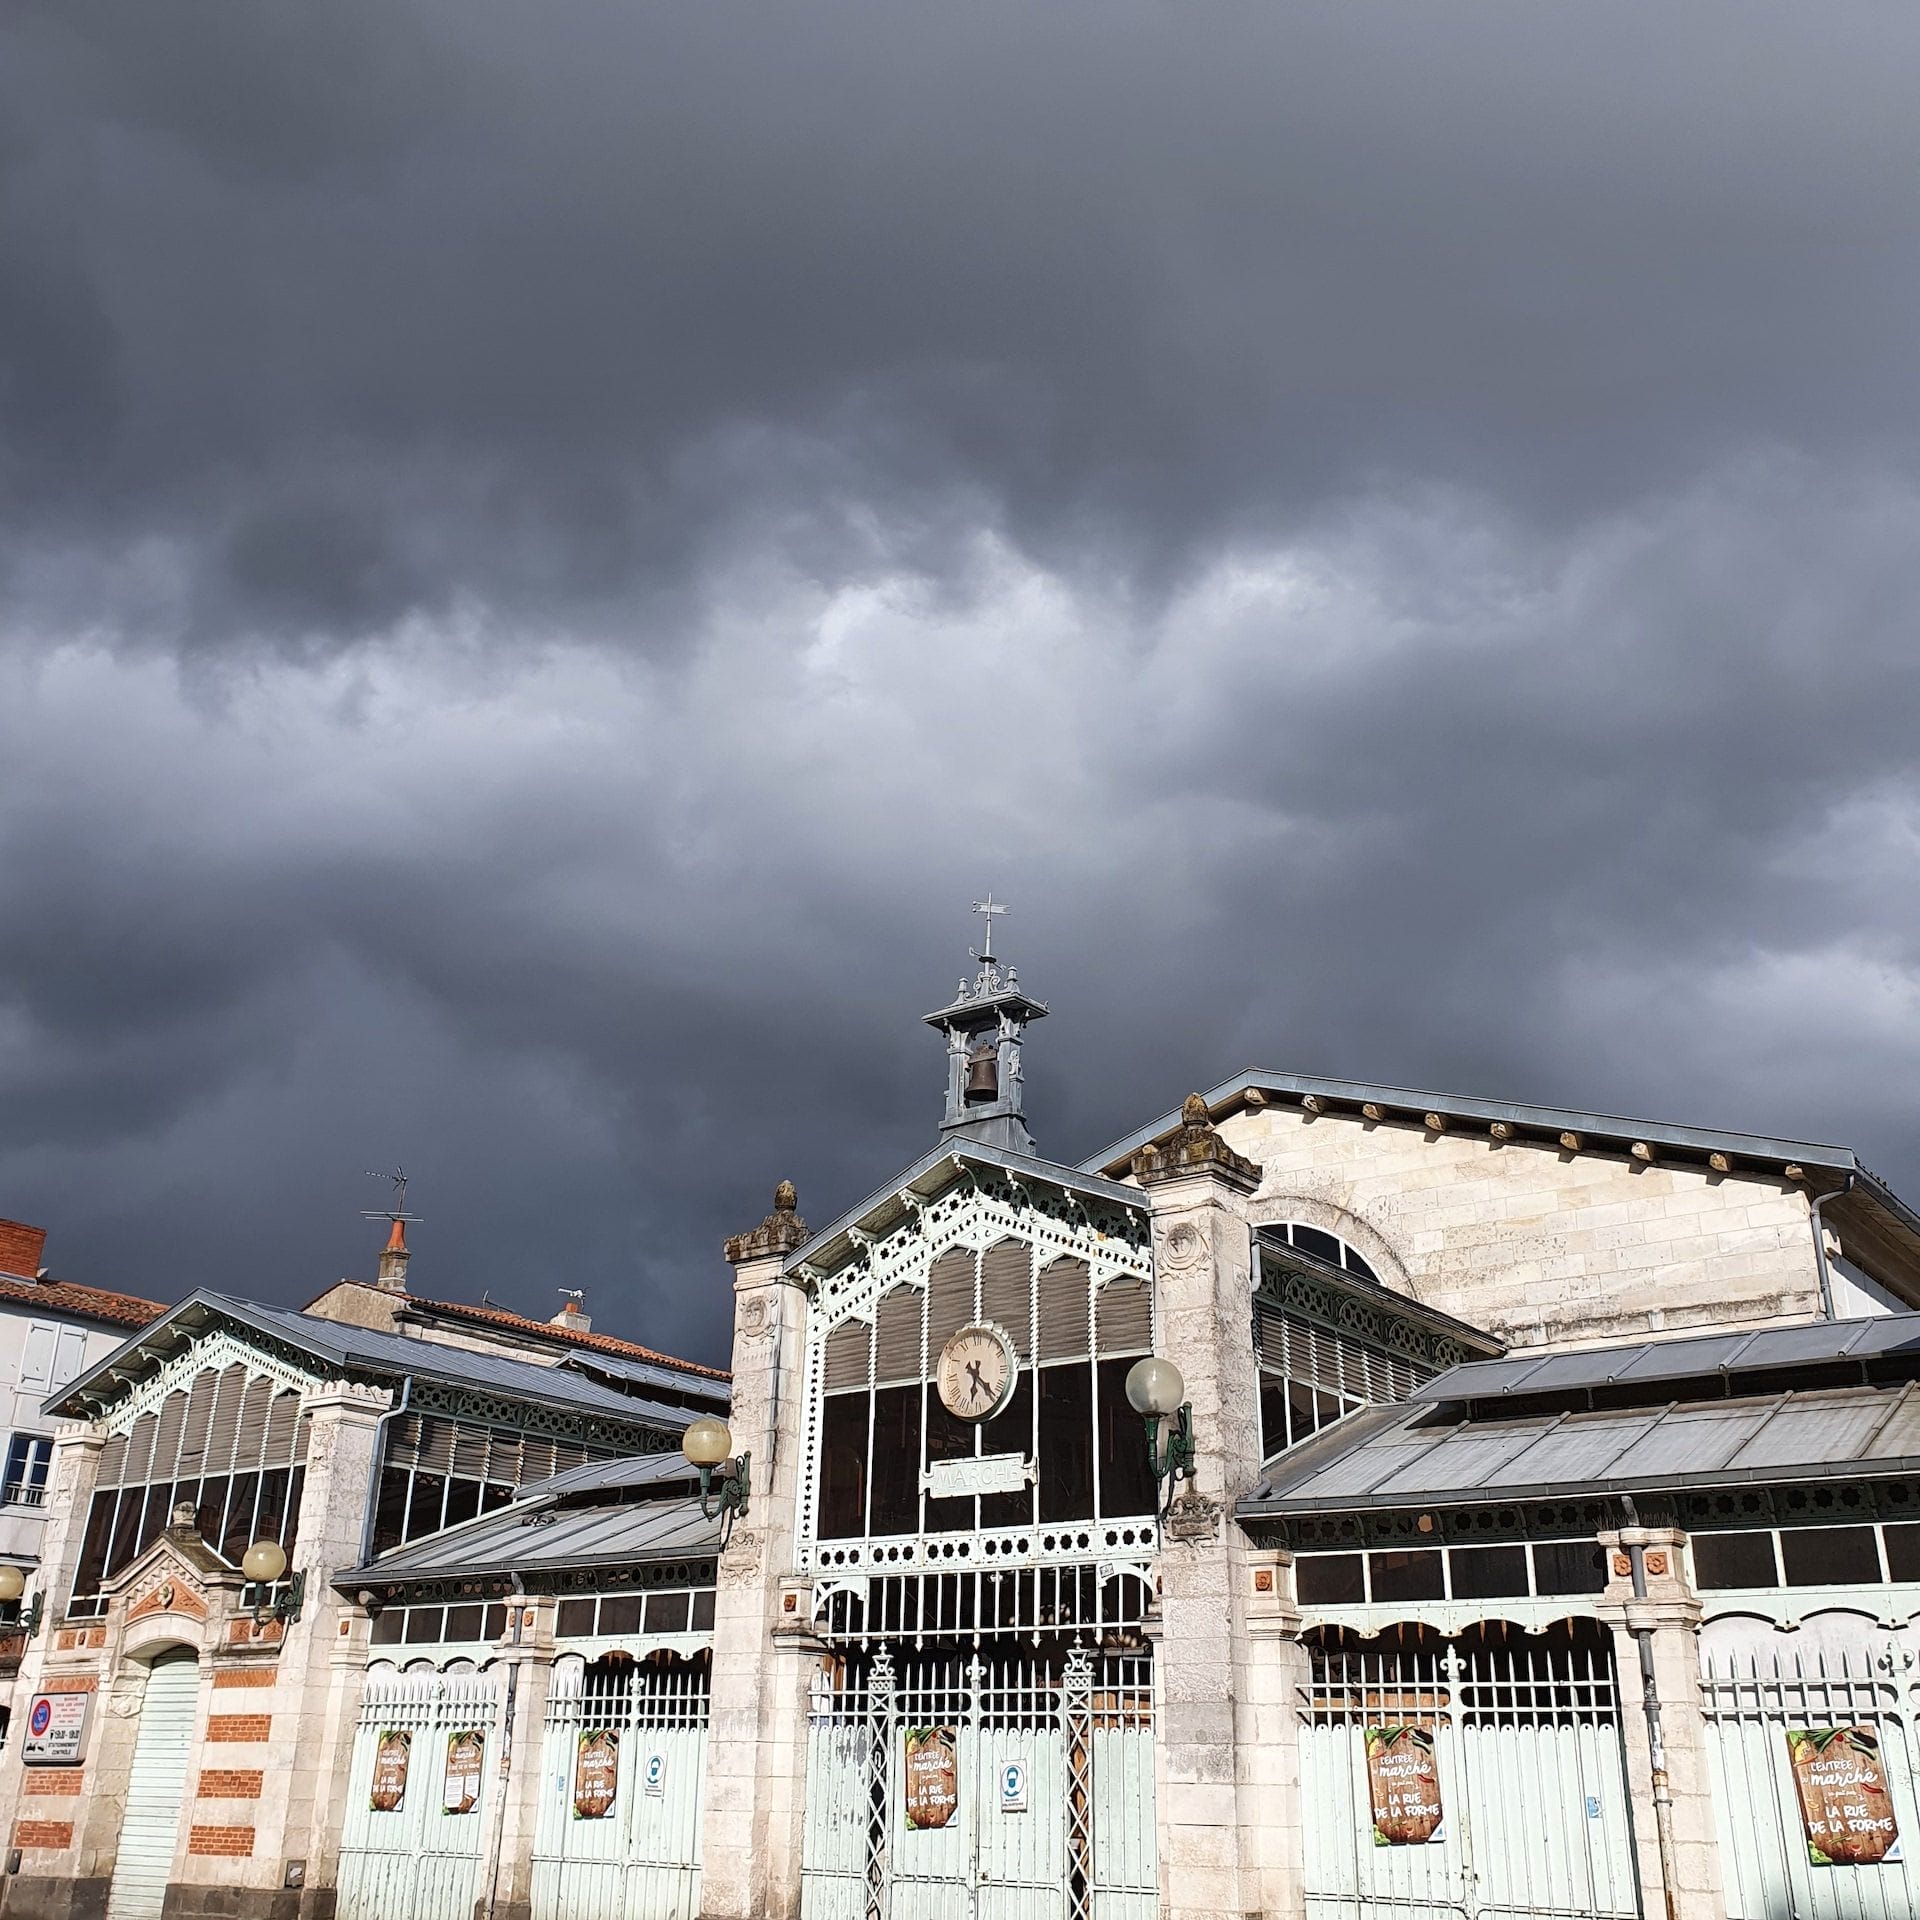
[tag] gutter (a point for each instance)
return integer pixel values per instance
(379, 1467)
(1820, 1243)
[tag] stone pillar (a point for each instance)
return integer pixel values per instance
(526, 1655)
(71, 1479)
(1218, 1838)
(315, 1703)
(1688, 1885)
(756, 1748)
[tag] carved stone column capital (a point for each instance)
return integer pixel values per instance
(1194, 1148)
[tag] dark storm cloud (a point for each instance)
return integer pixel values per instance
(546, 554)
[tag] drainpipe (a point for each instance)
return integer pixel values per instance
(1820, 1243)
(1656, 1739)
(379, 1466)
(496, 1839)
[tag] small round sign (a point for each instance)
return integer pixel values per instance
(42, 1716)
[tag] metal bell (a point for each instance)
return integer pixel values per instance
(983, 1075)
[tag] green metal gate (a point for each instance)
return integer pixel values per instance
(421, 1796)
(966, 1787)
(623, 1763)
(1483, 1776)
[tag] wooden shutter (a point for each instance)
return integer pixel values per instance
(848, 1348)
(1125, 1316)
(896, 1342)
(949, 1298)
(1064, 1311)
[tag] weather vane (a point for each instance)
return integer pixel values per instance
(988, 911)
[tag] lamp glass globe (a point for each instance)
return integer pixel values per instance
(13, 1583)
(265, 1560)
(707, 1442)
(1154, 1387)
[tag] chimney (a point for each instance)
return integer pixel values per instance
(572, 1318)
(393, 1259)
(20, 1247)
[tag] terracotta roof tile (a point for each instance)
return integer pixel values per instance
(592, 1342)
(89, 1303)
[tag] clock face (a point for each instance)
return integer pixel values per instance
(975, 1374)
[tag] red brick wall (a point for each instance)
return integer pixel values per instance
(239, 1726)
(231, 1783)
(43, 1833)
(246, 1677)
(234, 1842)
(54, 1782)
(20, 1247)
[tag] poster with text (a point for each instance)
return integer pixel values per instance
(464, 1753)
(1404, 1786)
(1844, 1804)
(391, 1757)
(596, 1774)
(933, 1780)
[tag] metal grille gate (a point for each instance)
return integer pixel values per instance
(1753, 1698)
(1053, 1790)
(417, 1811)
(635, 1856)
(1522, 1742)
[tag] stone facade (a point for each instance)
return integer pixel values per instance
(1539, 1244)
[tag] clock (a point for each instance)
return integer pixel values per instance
(975, 1372)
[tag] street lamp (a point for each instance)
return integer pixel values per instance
(1156, 1391)
(708, 1444)
(263, 1563)
(13, 1583)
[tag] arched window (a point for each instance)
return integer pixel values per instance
(1323, 1246)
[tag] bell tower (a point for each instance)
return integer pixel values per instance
(983, 1025)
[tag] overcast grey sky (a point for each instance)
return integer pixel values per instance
(547, 553)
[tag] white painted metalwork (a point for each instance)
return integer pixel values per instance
(1753, 1695)
(156, 1791)
(418, 1858)
(1053, 1811)
(640, 1858)
(1527, 1753)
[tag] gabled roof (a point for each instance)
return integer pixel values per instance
(834, 1246)
(545, 1330)
(1871, 1212)
(64, 1299)
(353, 1350)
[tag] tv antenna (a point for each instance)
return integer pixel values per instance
(398, 1211)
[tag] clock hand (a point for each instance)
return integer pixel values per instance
(979, 1385)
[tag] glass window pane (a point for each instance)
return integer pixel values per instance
(423, 1625)
(463, 1500)
(1407, 1573)
(1903, 1550)
(1829, 1556)
(1126, 1474)
(574, 1620)
(667, 1612)
(1313, 1240)
(703, 1611)
(389, 1626)
(1066, 1442)
(1568, 1566)
(1011, 1431)
(390, 1516)
(896, 1459)
(1273, 1415)
(620, 1613)
(463, 1623)
(843, 1469)
(1722, 1560)
(1487, 1573)
(495, 1625)
(429, 1499)
(948, 1438)
(1329, 1580)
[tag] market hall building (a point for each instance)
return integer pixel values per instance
(1527, 1522)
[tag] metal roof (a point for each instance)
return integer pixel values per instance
(636, 1470)
(534, 1537)
(833, 1246)
(1415, 1455)
(358, 1349)
(647, 1373)
(1698, 1357)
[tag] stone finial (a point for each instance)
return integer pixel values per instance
(780, 1232)
(1195, 1146)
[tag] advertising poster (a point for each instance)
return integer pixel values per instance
(390, 1760)
(464, 1754)
(933, 1780)
(596, 1774)
(1404, 1786)
(1844, 1804)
